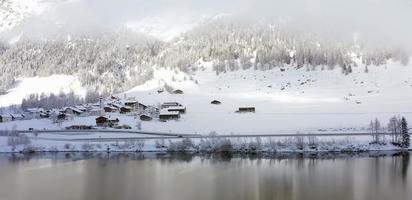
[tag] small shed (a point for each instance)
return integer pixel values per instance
(168, 115)
(178, 91)
(246, 109)
(145, 118)
(216, 102)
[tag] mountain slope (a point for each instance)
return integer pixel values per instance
(13, 12)
(290, 100)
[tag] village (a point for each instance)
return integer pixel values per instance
(107, 110)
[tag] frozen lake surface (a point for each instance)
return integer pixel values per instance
(123, 176)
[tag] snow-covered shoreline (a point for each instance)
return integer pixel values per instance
(206, 145)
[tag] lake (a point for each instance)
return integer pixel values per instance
(151, 176)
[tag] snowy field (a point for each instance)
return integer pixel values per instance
(289, 101)
(37, 85)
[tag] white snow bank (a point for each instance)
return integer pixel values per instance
(37, 85)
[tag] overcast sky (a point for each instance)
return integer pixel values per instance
(389, 20)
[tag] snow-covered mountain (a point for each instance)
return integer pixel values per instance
(13, 12)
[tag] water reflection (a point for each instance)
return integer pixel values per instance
(101, 176)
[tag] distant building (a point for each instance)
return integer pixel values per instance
(5, 118)
(178, 91)
(109, 109)
(44, 114)
(61, 116)
(116, 105)
(17, 117)
(135, 105)
(170, 104)
(216, 102)
(145, 117)
(72, 111)
(180, 109)
(104, 121)
(168, 115)
(33, 113)
(246, 109)
(125, 109)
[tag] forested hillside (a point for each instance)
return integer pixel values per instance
(114, 62)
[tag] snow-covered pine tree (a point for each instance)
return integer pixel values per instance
(405, 134)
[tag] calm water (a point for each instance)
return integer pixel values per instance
(153, 176)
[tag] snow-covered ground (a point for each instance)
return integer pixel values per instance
(38, 85)
(289, 101)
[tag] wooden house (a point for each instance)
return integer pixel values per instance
(169, 104)
(72, 111)
(105, 121)
(102, 121)
(135, 105)
(180, 109)
(125, 109)
(168, 115)
(61, 116)
(109, 109)
(44, 114)
(145, 117)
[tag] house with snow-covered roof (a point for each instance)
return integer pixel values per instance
(168, 115)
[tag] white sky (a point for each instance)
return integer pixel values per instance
(378, 20)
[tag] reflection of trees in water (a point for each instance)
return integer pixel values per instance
(405, 165)
(401, 159)
(400, 164)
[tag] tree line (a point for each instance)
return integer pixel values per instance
(118, 61)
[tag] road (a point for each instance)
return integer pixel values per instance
(159, 135)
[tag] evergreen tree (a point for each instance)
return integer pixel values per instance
(405, 134)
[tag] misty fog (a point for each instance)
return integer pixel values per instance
(378, 21)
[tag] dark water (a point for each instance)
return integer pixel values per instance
(223, 177)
